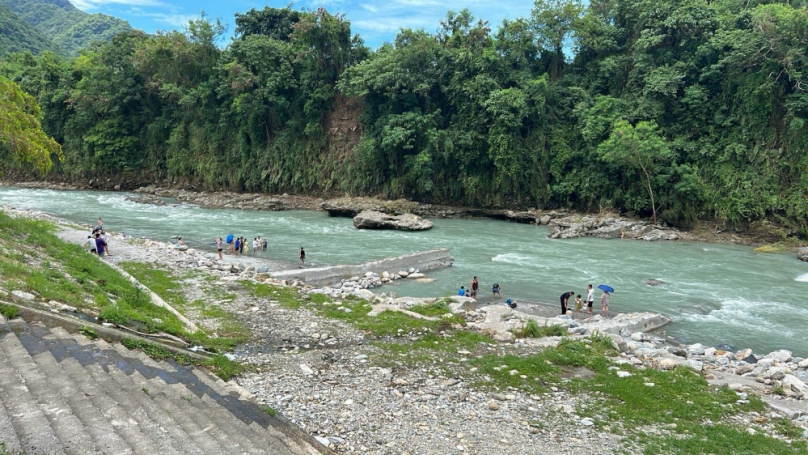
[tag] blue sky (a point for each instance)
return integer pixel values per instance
(376, 21)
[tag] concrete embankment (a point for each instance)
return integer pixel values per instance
(323, 276)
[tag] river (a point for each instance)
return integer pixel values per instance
(716, 294)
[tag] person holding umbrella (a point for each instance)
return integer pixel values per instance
(604, 299)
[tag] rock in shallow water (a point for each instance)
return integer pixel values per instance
(371, 219)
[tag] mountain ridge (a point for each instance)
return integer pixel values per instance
(69, 29)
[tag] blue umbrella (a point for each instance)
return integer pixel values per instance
(606, 288)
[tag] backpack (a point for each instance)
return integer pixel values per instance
(510, 303)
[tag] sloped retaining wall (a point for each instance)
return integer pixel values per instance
(322, 276)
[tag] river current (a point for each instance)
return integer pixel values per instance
(716, 294)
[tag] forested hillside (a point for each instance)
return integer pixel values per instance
(68, 28)
(16, 35)
(679, 109)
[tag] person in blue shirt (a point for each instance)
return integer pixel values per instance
(462, 291)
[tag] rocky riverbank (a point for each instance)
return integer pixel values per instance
(320, 362)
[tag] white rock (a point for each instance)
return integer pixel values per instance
(694, 364)
(22, 296)
(803, 364)
(709, 351)
(306, 369)
(780, 356)
(323, 441)
(793, 383)
(696, 349)
(587, 422)
(667, 364)
(638, 336)
(623, 374)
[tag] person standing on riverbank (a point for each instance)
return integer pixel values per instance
(237, 245)
(604, 303)
(255, 246)
(590, 298)
(302, 255)
(565, 297)
(219, 248)
(475, 286)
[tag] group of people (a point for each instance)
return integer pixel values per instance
(496, 289)
(590, 301)
(239, 247)
(97, 240)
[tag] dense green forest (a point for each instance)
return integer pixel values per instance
(65, 29)
(679, 109)
(16, 35)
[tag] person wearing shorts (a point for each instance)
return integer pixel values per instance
(475, 286)
(590, 298)
(92, 245)
(219, 247)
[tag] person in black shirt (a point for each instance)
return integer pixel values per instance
(564, 298)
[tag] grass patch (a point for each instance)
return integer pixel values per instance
(88, 332)
(532, 329)
(270, 411)
(698, 439)
(436, 309)
(286, 297)
(219, 365)
(41, 263)
(9, 311)
(230, 332)
(787, 428)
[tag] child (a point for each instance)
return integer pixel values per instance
(578, 303)
(462, 291)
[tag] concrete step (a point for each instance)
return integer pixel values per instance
(203, 402)
(32, 428)
(22, 352)
(128, 422)
(162, 407)
(8, 437)
(63, 393)
(101, 430)
(218, 428)
(112, 377)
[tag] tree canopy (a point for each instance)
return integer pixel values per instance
(20, 132)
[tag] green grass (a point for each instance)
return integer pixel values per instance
(698, 439)
(532, 329)
(9, 311)
(270, 411)
(285, 296)
(41, 263)
(88, 332)
(229, 333)
(436, 309)
(220, 365)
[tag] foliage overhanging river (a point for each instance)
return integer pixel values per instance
(716, 294)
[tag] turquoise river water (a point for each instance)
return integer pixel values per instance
(716, 294)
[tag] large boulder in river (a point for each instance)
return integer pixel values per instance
(802, 254)
(371, 219)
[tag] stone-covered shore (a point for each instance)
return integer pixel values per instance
(324, 374)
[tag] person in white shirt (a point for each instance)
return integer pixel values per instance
(92, 245)
(255, 245)
(590, 298)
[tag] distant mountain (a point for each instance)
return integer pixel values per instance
(69, 28)
(16, 35)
